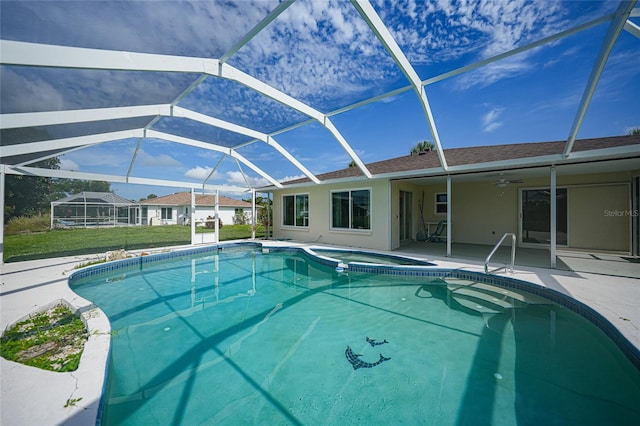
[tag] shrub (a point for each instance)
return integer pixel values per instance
(241, 219)
(28, 224)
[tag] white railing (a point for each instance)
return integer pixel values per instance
(513, 254)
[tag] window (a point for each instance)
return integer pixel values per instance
(351, 209)
(441, 203)
(295, 211)
(166, 213)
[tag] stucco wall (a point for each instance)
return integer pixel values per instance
(482, 212)
(378, 237)
(599, 217)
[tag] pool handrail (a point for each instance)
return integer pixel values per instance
(513, 254)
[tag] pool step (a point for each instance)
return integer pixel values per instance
(524, 297)
(489, 299)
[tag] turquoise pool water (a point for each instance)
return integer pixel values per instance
(242, 337)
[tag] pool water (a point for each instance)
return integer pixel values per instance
(242, 337)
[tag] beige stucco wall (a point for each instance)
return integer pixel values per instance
(482, 212)
(378, 237)
(599, 217)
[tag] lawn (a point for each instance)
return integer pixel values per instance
(69, 242)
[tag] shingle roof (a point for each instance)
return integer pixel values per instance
(184, 199)
(476, 155)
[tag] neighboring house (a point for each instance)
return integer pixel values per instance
(176, 209)
(94, 209)
(492, 190)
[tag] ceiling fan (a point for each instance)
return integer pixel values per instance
(502, 182)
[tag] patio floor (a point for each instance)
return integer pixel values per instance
(614, 264)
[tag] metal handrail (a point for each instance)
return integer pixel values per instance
(513, 254)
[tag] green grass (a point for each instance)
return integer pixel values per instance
(70, 242)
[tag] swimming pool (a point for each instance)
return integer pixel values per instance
(246, 336)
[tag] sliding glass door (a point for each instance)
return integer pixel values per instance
(535, 216)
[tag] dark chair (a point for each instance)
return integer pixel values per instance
(436, 236)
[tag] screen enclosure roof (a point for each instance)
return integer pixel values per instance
(265, 92)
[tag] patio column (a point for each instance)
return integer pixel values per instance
(193, 217)
(253, 214)
(448, 215)
(553, 216)
(217, 215)
(269, 204)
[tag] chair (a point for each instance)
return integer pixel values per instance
(436, 236)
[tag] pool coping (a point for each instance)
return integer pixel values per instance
(618, 318)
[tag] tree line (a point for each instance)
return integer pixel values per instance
(31, 195)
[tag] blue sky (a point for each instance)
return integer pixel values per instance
(322, 53)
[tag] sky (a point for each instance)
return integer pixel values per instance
(322, 53)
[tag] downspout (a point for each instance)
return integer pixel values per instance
(553, 217)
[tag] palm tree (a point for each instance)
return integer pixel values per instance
(635, 131)
(421, 147)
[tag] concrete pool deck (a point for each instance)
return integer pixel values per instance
(30, 396)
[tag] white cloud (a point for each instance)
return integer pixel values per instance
(288, 178)
(162, 160)
(201, 173)
(445, 30)
(67, 164)
(230, 178)
(490, 119)
(237, 178)
(318, 51)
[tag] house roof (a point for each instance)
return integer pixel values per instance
(477, 155)
(184, 198)
(95, 198)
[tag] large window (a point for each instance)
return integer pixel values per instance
(166, 213)
(295, 210)
(351, 209)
